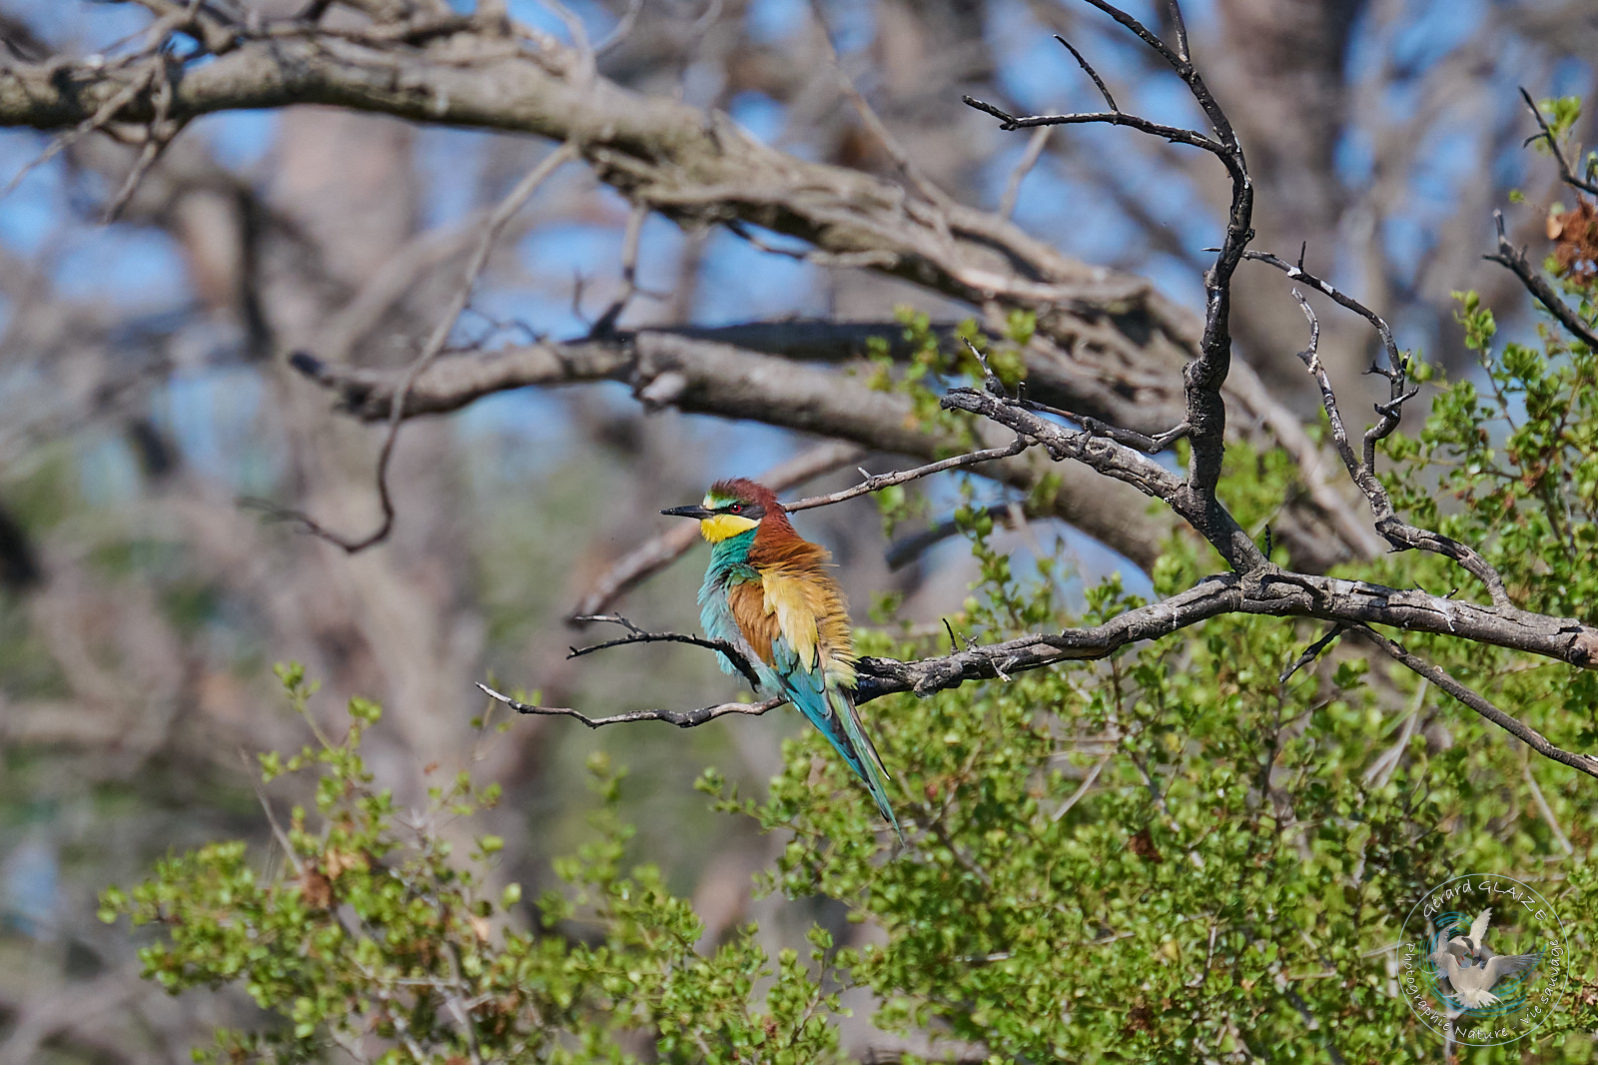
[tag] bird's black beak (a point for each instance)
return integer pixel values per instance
(692, 511)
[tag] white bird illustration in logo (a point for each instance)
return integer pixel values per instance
(1474, 970)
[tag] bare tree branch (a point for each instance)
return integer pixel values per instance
(877, 482)
(680, 718)
(662, 154)
(1512, 257)
(1348, 603)
(1120, 462)
(638, 635)
(1401, 534)
(1205, 375)
(1585, 763)
(702, 376)
(1087, 68)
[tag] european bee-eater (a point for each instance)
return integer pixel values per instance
(769, 594)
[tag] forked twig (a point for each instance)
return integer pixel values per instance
(638, 635)
(1512, 257)
(1362, 467)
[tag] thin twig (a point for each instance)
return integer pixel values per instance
(1087, 68)
(1083, 788)
(1382, 770)
(606, 324)
(1298, 274)
(99, 120)
(1515, 259)
(1149, 445)
(1174, 134)
(160, 131)
(1312, 652)
(680, 718)
(1362, 470)
(877, 482)
(1023, 167)
(1584, 763)
(1546, 810)
(868, 115)
(638, 635)
(623, 27)
(1565, 172)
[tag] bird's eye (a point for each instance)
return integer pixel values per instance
(737, 508)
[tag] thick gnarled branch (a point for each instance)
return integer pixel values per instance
(697, 375)
(664, 155)
(1348, 603)
(667, 156)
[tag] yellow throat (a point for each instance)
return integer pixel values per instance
(725, 527)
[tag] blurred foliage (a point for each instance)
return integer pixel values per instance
(1168, 856)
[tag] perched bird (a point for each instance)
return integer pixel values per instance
(768, 592)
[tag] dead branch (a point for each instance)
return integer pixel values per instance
(662, 154)
(1400, 534)
(680, 718)
(638, 635)
(698, 375)
(1120, 462)
(878, 481)
(1281, 595)
(1584, 763)
(1512, 257)
(1206, 374)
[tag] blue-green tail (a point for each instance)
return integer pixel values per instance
(832, 711)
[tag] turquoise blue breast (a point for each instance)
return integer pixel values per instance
(729, 566)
